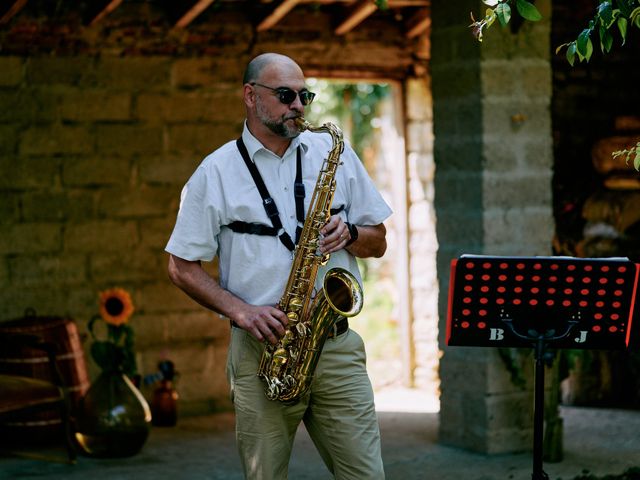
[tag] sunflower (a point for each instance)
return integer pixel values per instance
(115, 306)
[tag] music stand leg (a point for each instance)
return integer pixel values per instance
(538, 412)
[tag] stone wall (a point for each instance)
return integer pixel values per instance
(94, 154)
(423, 244)
(493, 156)
(99, 129)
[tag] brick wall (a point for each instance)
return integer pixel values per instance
(99, 129)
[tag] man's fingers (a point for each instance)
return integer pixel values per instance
(268, 335)
(277, 326)
(335, 240)
(268, 325)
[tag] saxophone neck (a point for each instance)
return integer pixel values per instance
(302, 124)
(328, 127)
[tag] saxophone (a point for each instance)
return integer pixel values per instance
(288, 366)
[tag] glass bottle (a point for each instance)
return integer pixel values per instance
(113, 419)
(164, 405)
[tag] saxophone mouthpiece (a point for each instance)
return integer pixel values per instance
(302, 123)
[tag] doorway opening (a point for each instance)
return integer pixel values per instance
(402, 352)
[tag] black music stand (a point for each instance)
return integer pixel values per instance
(565, 302)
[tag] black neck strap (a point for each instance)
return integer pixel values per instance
(267, 201)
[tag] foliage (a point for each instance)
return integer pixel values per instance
(606, 19)
(611, 15)
(628, 153)
(501, 10)
(354, 106)
(377, 324)
(113, 346)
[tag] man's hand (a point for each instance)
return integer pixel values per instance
(264, 323)
(335, 235)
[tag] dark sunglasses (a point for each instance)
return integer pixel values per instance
(287, 96)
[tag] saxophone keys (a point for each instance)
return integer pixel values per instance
(302, 328)
(289, 382)
(278, 361)
(288, 338)
(273, 390)
(294, 304)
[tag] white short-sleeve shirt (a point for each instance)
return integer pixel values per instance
(221, 191)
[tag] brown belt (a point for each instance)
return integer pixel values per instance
(339, 327)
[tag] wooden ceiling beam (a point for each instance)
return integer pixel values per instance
(192, 12)
(102, 10)
(362, 10)
(278, 14)
(418, 23)
(9, 12)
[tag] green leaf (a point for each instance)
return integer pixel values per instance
(606, 40)
(589, 50)
(382, 4)
(571, 53)
(490, 17)
(503, 11)
(622, 26)
(624, 6)
(583, 41)
(106, 355)
(605, 11)
(491, 3)
(636, 161)
(528, 11)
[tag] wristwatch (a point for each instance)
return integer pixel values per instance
(353, 233)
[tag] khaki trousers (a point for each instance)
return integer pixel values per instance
(338, 412)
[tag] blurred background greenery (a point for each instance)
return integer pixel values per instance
(355, 108)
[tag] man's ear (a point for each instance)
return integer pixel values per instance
(249, 95)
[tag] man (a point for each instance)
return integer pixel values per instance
(220, 208)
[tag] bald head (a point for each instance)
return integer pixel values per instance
(270, 116)
(268, 61)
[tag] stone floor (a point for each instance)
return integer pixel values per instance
(595, 441)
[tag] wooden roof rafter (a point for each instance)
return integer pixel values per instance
(278, 14)
(345, 15)
(418, 23)
(10, 10)
(361, 11)
(192, 12)
(98, 10)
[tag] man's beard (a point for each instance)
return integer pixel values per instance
(279, 127)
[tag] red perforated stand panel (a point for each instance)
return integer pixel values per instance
(490, 297)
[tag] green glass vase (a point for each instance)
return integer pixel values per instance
(113, 418)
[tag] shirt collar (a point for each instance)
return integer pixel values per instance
(254, 145)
